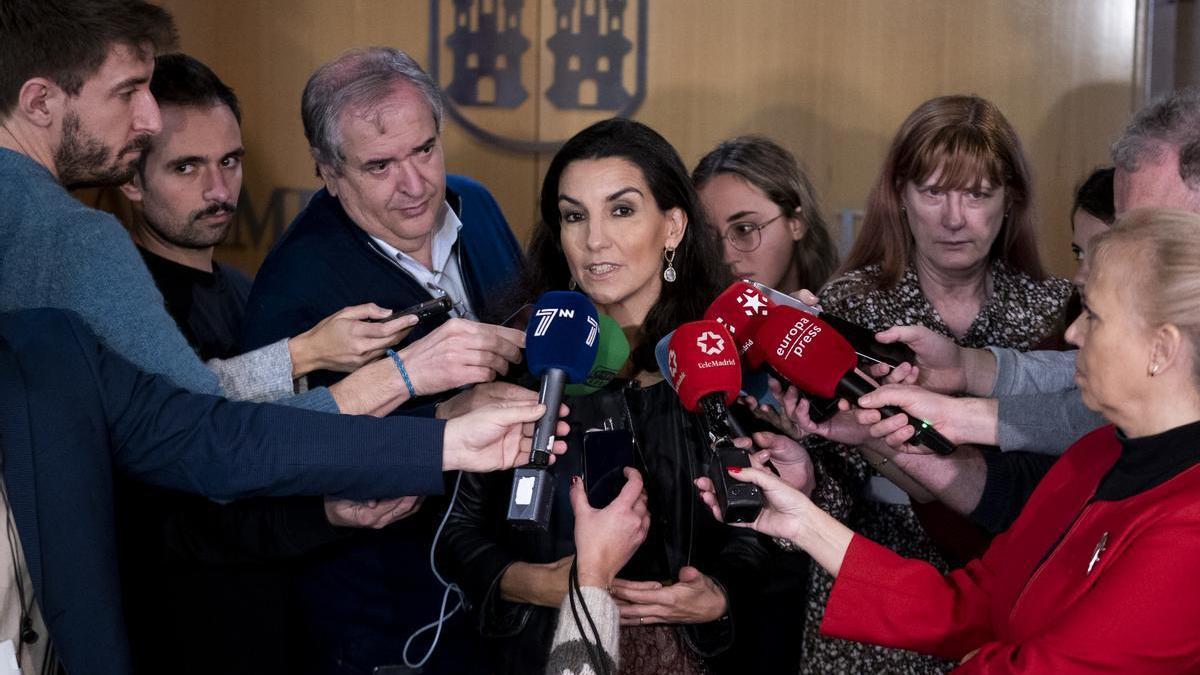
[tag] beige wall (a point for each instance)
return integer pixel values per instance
(830, 79)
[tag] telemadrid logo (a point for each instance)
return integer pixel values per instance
(710, 343)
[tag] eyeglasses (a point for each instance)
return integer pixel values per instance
(747, 237)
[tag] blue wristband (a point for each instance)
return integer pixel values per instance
(412, 393)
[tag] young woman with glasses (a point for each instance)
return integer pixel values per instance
(765, 207)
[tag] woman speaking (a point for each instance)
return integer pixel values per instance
(1099, 572)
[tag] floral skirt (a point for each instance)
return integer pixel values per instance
(657, 650)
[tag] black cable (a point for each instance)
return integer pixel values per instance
(595, 650)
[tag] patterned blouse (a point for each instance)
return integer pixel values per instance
(1020, 313)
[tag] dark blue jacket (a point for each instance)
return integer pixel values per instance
(71, 411)
(324, 262)
(362, 597)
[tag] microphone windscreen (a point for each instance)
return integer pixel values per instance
(741, 308)
(611, 355)
(563, 333)
(702, 359)
(662, 354)
(805, 351)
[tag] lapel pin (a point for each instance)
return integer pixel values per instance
(1100, 546)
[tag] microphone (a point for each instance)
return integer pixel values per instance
(611, 356)
(813, 357)
(662, 356)
(742, 308)
(707, 375)
(863, 339)
(560, 347)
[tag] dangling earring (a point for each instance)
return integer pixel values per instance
(669, 273)
(571, 285)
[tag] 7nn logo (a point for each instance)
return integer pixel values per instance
(547, 316)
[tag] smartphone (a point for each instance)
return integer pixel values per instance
(606, 453)
(430, 309)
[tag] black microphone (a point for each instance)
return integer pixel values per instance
(560, 346)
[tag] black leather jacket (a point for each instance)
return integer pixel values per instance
(478, 545)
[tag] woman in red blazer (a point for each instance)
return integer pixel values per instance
(1101, 571)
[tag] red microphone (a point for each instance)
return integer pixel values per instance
(703, 362)
(741, 308)
(815, 358)
(704, 367)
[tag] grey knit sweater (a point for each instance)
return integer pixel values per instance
(56, 252)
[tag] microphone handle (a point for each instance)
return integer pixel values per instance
(554, 381)
(924, 434)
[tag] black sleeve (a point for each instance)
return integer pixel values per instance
(256, 530)
(470, 553)
(1011, 479)
(737, 570)
(167, 436)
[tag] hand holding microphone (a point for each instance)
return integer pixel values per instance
(812, 356)
(560, 346)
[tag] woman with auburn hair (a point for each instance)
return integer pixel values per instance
(1098, 573)
(947, 242)
(766, 209)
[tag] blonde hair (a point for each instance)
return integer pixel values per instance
(1162, 249)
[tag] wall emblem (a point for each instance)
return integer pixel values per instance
(499, 60)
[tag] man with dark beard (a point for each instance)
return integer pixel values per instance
(187, 185)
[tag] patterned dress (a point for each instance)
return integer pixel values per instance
(1020, 313)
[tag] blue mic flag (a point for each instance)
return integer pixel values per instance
(563, 334)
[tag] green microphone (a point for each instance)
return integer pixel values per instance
(610, 358)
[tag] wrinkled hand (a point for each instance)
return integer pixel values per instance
(605, 539)
(482, 395)
(784, 505)
(842, 427)
(948, 414)
(345, 340)
(788, 456)
(496, 437)
(375, 514)
(461, 352)
(942, 363)
(694, 598)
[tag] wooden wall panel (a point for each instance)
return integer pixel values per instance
(830, 80)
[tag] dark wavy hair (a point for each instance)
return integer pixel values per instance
(702, 273)
(1094, 196)
(769, 167)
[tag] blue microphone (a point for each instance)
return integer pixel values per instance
(561, 341)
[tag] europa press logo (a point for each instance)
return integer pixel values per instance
(493, 57)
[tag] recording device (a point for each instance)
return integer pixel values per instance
(430, 309)
(606, 453)
(611, 355)
(813, 357)
(862, 339)
(561, 341)
(741, 308)
(705, 370)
